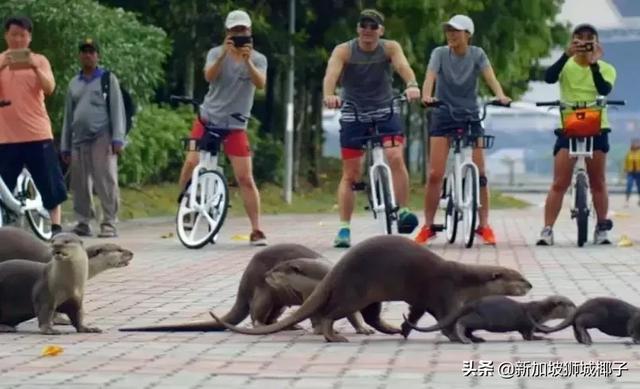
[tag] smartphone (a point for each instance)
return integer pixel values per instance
(239, 41)
(19, 58)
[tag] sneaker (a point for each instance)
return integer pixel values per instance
(257, 238)
(55, 229)
(343, 239)
(107, 231)
(486, 233)
(407, 222)
(546, 237)
(424, 235)
(82, 229)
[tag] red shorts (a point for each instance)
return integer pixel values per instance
(235, 142)
(348, 153)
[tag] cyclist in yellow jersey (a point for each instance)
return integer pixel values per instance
(632, 168)
(583, 76)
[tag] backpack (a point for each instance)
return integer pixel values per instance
(129, 105)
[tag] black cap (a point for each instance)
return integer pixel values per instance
(372, 14)
(89, 42)
(585, 27)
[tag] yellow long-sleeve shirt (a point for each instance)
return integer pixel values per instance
(632, 162)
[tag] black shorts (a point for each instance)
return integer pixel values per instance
(600, 142)
(41, 160)
(444, 127)
(350, 131)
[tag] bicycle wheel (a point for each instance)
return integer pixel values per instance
(470, 201)
(383, 196)
(451, 216)
(581, 210)
(38, 217)
(197, 224)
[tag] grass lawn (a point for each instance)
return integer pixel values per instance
(160, 200)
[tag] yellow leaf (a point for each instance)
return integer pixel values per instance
(240, 237)
(51, 351)
(625, 241)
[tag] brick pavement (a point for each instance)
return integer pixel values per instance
(168, 283)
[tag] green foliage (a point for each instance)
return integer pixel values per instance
(133, 51)
(155, 151)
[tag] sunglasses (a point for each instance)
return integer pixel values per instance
(369, 25)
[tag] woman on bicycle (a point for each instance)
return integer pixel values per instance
(456, 68)
(583, 77)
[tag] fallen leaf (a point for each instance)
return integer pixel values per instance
(51, 351)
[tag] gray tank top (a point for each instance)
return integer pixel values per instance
(367, 77)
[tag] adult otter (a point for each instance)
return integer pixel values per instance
(16, 243)
(502, 314)
(394, 268)
(610, 315)
(30, 289)
(262, 294)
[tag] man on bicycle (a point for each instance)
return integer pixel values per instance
(233, 73)
(583, 77)
(456, 68)
(365, 66)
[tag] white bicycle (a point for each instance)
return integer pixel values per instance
(581, 122)
(204, 202)
(25, 200)
(461, 187)
(381, 198)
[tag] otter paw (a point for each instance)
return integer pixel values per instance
(84, 329)
(336, 339)
(365, 331)
(49, 331)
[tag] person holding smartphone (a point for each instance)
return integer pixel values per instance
(233, 70)
(583, 76)
(26, 139)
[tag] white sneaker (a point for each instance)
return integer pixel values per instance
(600, 237)
(546, 237)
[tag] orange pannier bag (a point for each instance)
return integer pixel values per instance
(582, 122)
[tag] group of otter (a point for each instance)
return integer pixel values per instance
(463, 298)
(42, 281)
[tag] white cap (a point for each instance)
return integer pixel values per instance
(461, 22)
(237, 18)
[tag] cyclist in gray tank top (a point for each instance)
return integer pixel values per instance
(455, 69)
(364, 66)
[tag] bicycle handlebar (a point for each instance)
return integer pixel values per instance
(400, 98)
(437, 104)
(4, 103)
(561, 104)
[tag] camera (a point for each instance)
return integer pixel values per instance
(588, 46)
(239, 41)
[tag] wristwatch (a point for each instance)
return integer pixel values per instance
(412, 84)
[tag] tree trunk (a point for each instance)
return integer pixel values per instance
(189, 61)
(299, 134)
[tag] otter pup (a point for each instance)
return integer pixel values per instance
(610, 315)
(502, 314)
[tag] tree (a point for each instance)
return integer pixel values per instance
(133, 51)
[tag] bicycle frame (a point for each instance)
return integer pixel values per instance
(378, 162)
(462, 159)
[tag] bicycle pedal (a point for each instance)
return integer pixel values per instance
(359, 186)
(437, 227)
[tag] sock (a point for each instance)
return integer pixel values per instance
(403, 210)
(346, 225)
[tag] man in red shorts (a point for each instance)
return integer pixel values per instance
(233, 73)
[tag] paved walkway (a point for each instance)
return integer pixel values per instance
(168, 283)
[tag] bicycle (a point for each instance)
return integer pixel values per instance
(380, 196)
(25, 200)
(461, 199)
(581, 122)
(206, 196)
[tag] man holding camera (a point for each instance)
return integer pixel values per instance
(26, 139)
(583, 77)
(234, 70)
